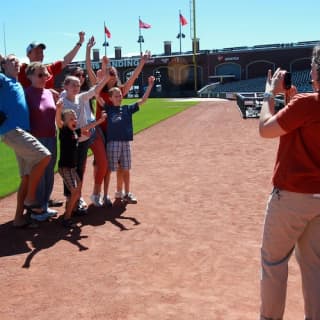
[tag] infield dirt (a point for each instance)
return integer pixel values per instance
(189, 250)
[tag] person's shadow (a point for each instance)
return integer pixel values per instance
(16, 241)
(97, 216)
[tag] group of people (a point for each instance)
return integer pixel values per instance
(88, 113)
(28, 121)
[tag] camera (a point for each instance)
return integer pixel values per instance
(287, 80)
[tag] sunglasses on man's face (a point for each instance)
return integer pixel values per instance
(42, 75)
(79, 75)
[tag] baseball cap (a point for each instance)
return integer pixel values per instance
(33, 45)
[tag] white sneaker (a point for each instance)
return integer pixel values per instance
(118, 199)
(130, 198)
(82, 204)
(52, 212)
(96, 200)
(107, 202)
(119, 195)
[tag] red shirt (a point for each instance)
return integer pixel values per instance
(54, 69)
(297, 167)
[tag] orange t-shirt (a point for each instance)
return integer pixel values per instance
(297, 167)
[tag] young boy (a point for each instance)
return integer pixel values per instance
(79, 102)
(119, 135)
(69, 136)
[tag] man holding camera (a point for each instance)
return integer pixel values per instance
(292, 221)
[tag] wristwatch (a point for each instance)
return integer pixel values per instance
(268, 95)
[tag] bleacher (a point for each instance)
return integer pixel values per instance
(301, 79)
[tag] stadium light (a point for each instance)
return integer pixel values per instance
(194, 45)
(105, 45)
(140, 40)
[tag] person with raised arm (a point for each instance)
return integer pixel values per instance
(31, 155)
(292, 219)
(78, 101)
(119, 135)
(35, 53)
(104, 97)
(69, 135)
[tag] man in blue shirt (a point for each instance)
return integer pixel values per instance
(31, 155)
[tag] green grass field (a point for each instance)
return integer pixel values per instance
(152, 112)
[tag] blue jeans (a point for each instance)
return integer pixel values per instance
(45, 185)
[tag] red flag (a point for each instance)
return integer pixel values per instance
(143, 25)
(183, 20)
(107, 32)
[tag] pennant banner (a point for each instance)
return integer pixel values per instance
(143, 25)
(183, 20)
(107, 32)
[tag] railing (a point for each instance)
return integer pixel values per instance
(250, 103)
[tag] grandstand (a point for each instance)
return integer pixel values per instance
(249, 93)
(219, 72)
(301, 79)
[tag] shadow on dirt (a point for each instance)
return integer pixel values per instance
(33, 240)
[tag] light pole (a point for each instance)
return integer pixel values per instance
(180, 36)
(194, 46)
(4, 39)
(140, 41)
(105, 44)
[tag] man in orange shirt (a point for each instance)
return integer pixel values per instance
(35, 53)
(292, 220)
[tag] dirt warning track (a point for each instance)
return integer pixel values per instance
(189, 250)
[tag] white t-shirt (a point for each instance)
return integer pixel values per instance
(81, 106)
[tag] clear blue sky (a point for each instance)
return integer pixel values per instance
(219, 24)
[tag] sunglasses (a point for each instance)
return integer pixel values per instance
(78, 75)
(42, 75)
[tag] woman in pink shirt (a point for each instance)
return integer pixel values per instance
(42, 125)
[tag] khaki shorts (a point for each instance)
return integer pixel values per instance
(29, 151)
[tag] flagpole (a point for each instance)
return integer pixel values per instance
(4, 39)
(180, 30)
(105, 40)
(194, 46)
(140, 38)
